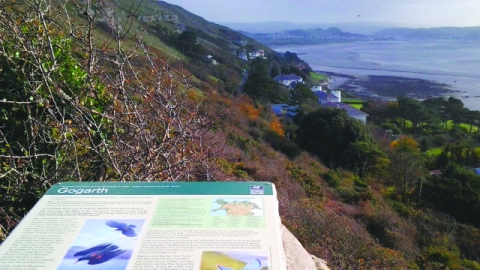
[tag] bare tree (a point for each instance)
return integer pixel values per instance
(78, 104)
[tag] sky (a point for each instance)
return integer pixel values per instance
(411, 13)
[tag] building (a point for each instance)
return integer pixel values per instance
(317, 88)
(324, 97)
(289, 80)
(352, 112)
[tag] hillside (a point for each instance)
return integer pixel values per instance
(363, 28)
(311, 36)
(146, 91)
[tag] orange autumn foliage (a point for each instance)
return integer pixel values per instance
(404, 141)
(277, 127)
(251, 112)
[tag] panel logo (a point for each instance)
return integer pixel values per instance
(256, 190)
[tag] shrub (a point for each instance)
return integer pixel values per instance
(282, 144)
(392, 127)
(249, 110)
(277, 127)
(349, 186)
(389, 229)
(440, 140)
(310, 184)
(341, 241)
(238, 169)
(468, 240)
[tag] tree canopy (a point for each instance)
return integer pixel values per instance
(259, 85)
(333, 136)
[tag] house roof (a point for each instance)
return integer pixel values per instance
(325, 95)
(289, 77)
(277, 108)
(349, 109)
(284, 109)
(294, 83)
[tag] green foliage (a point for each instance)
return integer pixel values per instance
(36, 106)
(188, 43)
(332, 135)
(393, 127)
(303, 98)
(69, 117)
(274, 72)
(456, 193)
(246, 144)
(337, 239)
(443, 254)
(349, 186)
(364, 157)
(462, 153)
(259, 85)
(411, 109)
(239, 169)
(390, 230)
(468, 240)
(87, 106)
(311, 186)
(406, 168)
(429, 117)
(282, 144)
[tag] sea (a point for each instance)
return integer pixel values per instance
(454, 62)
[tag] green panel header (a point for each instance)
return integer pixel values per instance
(161, 188)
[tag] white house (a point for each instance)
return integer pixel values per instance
(317, 88)
(324, 97)
(289, 80)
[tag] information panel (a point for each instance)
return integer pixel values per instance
(149, 225)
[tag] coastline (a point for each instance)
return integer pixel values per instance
(385, 70)
(387, 87)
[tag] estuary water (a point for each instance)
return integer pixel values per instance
(454, 62)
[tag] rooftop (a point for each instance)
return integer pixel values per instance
(350, 110)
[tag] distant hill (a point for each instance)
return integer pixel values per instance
(363, 28)
(431, 33)
(311, 36)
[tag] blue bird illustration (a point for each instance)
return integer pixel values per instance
(254, 264)
(126, 230)
(99, 254)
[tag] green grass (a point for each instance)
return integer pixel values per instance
(318, 77)
(355, 103)
(351, 100)
(462, 125)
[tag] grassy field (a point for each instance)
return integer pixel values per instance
(318, 77)
(356, 103)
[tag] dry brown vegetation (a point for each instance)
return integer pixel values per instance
(84, 105)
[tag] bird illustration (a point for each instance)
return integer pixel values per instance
(254, 264)
(126, 230)
(99, 254)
